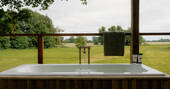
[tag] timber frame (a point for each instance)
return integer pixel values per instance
(134, 47)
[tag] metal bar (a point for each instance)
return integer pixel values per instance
(134, 28)
(83, 34)
(40, 49)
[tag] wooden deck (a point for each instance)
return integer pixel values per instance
(84, 82)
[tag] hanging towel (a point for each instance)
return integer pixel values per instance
(114, 43)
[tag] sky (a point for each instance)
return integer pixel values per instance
(74, 17)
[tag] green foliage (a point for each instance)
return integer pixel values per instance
(19, 43)
(29, 22)
(101, 39)
(118, 29)
(18, 4)
(49, 42)
(95, 40)
(80, 41)
(70, 40)
(4, 42)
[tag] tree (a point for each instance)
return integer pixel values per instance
(19, 43)
(4, 42)
(119, 29)
(95, 40)
(80, 41)
(29, 22)
(18, 4)
(101, 39)
(72, 39)
(59, 39)
(112, 29)
(127, 38)
(115, 28)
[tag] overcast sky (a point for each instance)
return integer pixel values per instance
(72, 16)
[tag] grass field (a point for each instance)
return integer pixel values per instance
(156, 56)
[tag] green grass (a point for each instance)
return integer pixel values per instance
(156, 56)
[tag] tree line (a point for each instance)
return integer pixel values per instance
(114, 28)
(160, 40)
(100, 40)
(26, 21)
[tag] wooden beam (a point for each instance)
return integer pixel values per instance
(134, 28)
(85, 34)
(79, 55)
(40, 49)
(88, 55)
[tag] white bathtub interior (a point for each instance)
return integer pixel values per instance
(82, 69)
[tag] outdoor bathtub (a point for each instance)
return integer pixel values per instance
(82, 70)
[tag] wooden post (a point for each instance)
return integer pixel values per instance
(40, 49)
(79, 55)
(88, 55)
(134, 28)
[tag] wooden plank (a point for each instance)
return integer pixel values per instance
(125, 84)
(12, 84)
(87, 84)
(97, 84)
(40, 49)
(62, 84)
(166, 84)
(57, 84)
(134, 28)
(134, 85)
(21, 84)
(116, 84)
(145, 84)
(41, 84)
(51, 84)
(107, 84)
(77, 84)
(156, 84)
(3, 84)
(69, 84)
(31, 84)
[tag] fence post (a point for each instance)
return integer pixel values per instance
(40, 49)
(134, 28)
(88, 55)
(79, 55)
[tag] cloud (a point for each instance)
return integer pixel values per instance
(72, 16)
